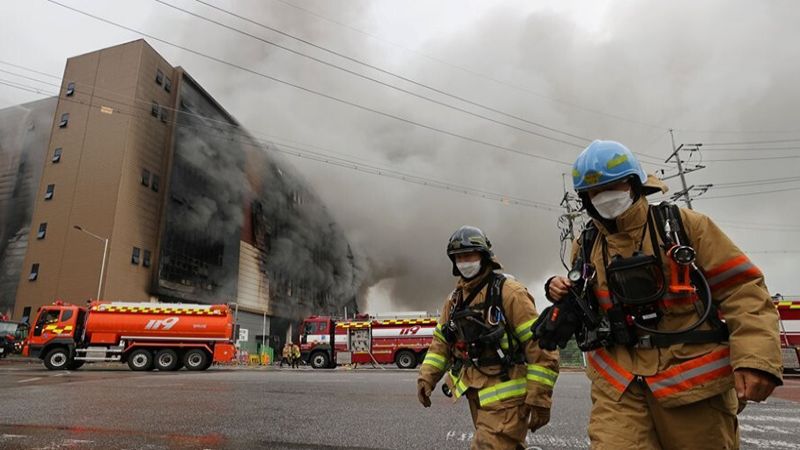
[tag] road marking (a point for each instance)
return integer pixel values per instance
(29, 379)
(776, 419)
(12, 436)
(547, 441)
(764, 429)
(769, 443)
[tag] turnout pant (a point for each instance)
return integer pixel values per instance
(638, 421)
(502, 426)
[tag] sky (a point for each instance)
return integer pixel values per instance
(492, 98)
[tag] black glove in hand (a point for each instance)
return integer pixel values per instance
(556, 325)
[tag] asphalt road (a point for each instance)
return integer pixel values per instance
(231, 408)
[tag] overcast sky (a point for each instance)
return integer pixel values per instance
(714, 71)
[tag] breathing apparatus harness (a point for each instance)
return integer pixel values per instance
(636, 286)
(477, 335)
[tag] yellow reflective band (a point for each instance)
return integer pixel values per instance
(542, 375)
(524, 332)
(437, 333)
(435, 360)
(504, 342)
(502, 391)
(459, 385)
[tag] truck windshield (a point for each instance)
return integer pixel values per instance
(8, 328)
(311, 328)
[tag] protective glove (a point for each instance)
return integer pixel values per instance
(539, 417)
(424, 393)
(556, 325)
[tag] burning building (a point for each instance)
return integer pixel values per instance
(151, 191)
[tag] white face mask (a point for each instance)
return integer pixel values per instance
(610, 204)
(469, 269)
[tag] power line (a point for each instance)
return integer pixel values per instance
(312, 91)
(763, 158)
(777, 141)
(752, 149)
(371, 66)
(472, 72)
(768, 181)
(305, 153)
(748, 194)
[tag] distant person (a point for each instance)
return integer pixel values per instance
(484, 345)
(286, 354)
(295, 356)
(672, 374)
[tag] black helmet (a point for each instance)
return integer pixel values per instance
(468, 239)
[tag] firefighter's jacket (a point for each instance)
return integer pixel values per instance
(287, 351)
(686, 373)
(295, 351)
(531, 383)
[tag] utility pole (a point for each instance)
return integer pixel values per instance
(567, 221)
(685, 193)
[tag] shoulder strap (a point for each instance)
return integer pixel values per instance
(588, 237)
(667, 212)
(495, 295)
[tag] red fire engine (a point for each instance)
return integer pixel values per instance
(789, 311)
(163, 336)
(400, 339)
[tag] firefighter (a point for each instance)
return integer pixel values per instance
(286, 354)
(295, 356)
(483, 345)
(655, 390)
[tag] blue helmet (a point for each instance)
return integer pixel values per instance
(605, 162)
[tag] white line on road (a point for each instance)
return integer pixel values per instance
(769, 443)
(12, 436)
(29, 379)
(764, 429)
(776, 419)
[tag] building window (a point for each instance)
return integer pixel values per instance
(145, 177)
(154, 110)
(154, 184)
(48, 195)
(146, 259)
(42, 230)
(64, 120)
(57, 155)
(167, 85)
(70, 89)
(135, 255)
(34, 272)
(159, 76)
(164, 115)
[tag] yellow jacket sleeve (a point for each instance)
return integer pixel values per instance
(437, 358)
(738, 287)
(542, 365)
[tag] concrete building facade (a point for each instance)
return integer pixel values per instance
(193, 208)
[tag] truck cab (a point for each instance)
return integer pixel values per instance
(317, 334)
(54, 334)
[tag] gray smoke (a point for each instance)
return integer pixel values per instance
(24, 136)
(715, 71)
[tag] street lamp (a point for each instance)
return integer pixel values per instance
(105, 250)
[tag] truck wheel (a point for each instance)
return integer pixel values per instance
(406, 360)
(57, 359)
(140, 360)
(196, 359)
(320, 360)
(166, 359)
(75, 365)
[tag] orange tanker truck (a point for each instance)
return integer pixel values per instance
(147, 336)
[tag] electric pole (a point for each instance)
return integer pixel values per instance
(567, 221)
(685, 193)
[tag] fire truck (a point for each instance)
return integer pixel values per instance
(789, 311)
(11, 336)
(400, 339)
(146, 336)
